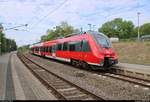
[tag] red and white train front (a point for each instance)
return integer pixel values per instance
(106, 54)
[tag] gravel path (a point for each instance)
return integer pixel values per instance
(106, 87)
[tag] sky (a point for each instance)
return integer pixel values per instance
(41, 15)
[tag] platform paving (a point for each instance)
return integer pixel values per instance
(135, 67)
(18, 83)
(4, 60)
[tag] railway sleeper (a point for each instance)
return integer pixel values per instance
(62, 87)
(67, 93)
(34, 67)
(60, 84)
(77, 97)
(38, 70)
(67, 89)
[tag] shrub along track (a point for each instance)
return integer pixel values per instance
(62, 88)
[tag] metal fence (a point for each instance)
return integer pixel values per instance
(145, 38)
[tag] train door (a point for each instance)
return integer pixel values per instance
(85, 50)
(54, 51)
(40, 50)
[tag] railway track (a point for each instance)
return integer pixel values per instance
(62, 88)
(131, 79)
(136, 81)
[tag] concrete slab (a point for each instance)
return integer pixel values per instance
(28, 87)
(3, 73)
(135, 67)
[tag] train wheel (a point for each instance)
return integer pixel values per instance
(73, 62)
(84, 65)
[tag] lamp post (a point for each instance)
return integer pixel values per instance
(94, 27)
(138, 14)
(0, 47)
(81, 29)
(90, 26)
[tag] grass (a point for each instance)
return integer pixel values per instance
(133, 52)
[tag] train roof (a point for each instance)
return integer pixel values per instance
(66, 37)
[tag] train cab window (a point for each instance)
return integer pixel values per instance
(85, 46)
(65, 46)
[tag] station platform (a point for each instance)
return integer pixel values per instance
(133, 70)
(135, 67)
(18, 83)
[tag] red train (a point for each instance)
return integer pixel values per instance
(87, 49)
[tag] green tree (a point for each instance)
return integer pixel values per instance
(145, 29)
(6, 45)
(59, 31)
(118, 28)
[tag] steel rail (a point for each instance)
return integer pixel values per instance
(126, 78)
(60, 95)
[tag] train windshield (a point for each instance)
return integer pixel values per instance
(103, 41)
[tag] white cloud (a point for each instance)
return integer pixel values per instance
(76, 12)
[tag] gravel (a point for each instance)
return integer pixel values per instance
(105, 87)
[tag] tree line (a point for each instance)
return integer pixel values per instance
(59, 31)
(6, 45)
(117, 27)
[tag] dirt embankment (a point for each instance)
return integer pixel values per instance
(133, 52)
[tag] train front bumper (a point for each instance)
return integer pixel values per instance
(112, 61)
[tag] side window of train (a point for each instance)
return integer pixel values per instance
(71, 46)
(65, 46)
(85, 46)
(59, 47)
(78, 46)
(46, 49)
(75, 46)
(41, 49)
(50, 49)
(54, 48)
